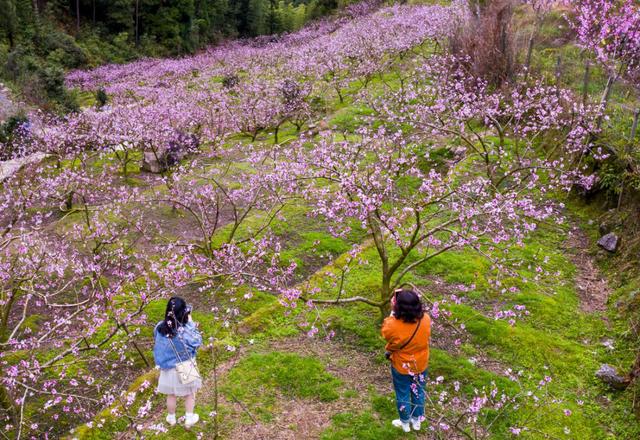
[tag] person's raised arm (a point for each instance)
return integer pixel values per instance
(193, 336)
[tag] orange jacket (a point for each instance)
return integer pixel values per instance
(414, 358)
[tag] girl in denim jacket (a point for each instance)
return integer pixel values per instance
(176, 340)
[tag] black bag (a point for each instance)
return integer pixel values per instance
(387, 354)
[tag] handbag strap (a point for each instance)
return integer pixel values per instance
(411, 338)
(191, 359)
(174, 350)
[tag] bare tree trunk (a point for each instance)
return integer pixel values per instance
(604, 101)
(558, 74)
(634, 128)
(620, 196)
(385, 294)
(137, 30)
(585, 82)
(77, 16)
(504, 20)
(527, 63)
(7, 404)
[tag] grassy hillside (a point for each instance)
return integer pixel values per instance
(268, 376)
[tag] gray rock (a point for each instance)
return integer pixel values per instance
(152, 162)
(9, 167)
(609, 242)
(610, 376)
(7, 107)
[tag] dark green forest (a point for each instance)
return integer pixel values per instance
(40, 39)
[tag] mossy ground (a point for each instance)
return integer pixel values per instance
(275, 374)
(557, 339)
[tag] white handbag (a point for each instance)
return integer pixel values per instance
(187, 370)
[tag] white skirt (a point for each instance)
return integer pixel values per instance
(169, 383)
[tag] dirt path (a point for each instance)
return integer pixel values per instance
(591, 285)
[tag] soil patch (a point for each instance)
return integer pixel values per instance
(307, 418)
(592, 287)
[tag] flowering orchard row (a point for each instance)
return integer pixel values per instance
(82, 256)
(79, 251)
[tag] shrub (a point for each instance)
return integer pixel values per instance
(101, 97)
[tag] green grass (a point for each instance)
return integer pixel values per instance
(371, 424)
(106, 424)
(555, 339)
(259, 378)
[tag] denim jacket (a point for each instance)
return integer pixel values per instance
(186, 343)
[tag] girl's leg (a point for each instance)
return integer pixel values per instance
(402, 387)
(190, 403)
(171, 403)
(191, 418)
(418, 396)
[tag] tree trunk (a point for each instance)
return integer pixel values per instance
(137, 30)
(7, 404)
(558, 74)
(77, 16)
(604, 101)
(125, 163)
(68, 203)
(634, 129)
(385, 294)
(585, 83)
(527, 63)
(620, 195)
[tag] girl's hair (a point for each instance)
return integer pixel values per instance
(176, 315)
(408, 306)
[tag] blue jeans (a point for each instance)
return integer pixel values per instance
(409, 394)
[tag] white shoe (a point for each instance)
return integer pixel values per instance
(400, 424)
(171, 419)
(415, 424)
(191, 419)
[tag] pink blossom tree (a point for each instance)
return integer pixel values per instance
(612, 30)
(72, 302)
(414, 210)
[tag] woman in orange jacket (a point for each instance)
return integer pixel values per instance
(407, 332)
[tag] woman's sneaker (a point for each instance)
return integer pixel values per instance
(415, 424)
(191, 419)
(171, 419)
(400, 424)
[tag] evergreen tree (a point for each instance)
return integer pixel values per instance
(8, 20)
(120, 16)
